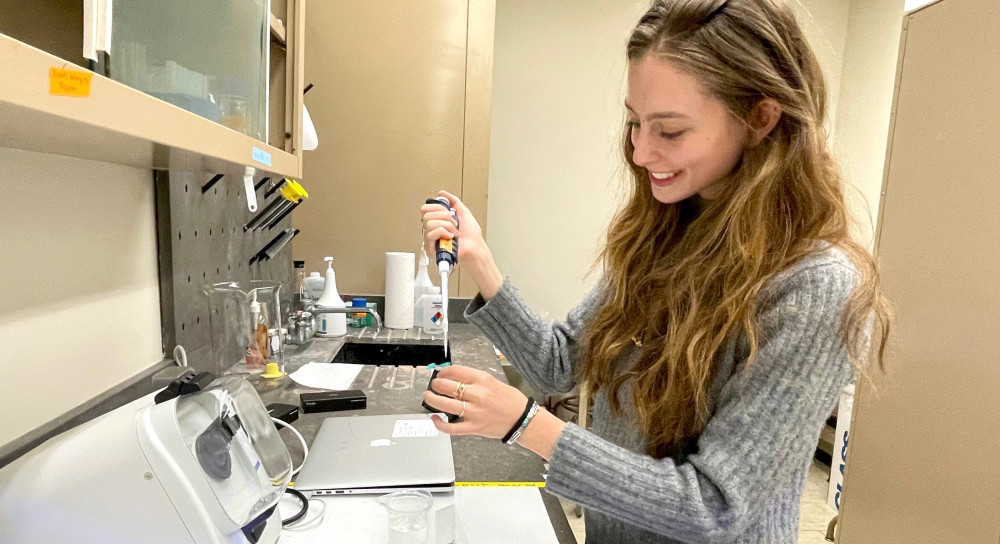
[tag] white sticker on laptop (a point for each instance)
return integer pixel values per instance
(414, 428)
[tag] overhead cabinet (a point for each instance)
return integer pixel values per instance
(181, 89)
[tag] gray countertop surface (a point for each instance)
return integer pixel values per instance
(398, 390)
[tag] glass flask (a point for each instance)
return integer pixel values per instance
(245, 320)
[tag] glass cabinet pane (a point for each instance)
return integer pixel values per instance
(209, 57)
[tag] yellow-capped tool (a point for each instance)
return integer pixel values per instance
(292, 194)
(293, 191)
(446, 255)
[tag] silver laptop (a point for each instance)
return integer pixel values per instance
(378, 454)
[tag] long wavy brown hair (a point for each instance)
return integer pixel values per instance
(685, 280)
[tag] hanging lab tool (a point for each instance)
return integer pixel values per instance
(259, 218)
(274, 246)
(270, 190)
(291, 194)
(288, 209)
(288, 234)
(248, 173)
(446, 255)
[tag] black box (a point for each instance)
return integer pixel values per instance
(284, 412)
(333, 401)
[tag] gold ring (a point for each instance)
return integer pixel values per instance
(460, 391)
(463, 409)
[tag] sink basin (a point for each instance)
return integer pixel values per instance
(390, 354)
(392, 348)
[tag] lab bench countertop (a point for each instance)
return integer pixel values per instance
(399, 390)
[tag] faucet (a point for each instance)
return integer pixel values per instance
(317, 310)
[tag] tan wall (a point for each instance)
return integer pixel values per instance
(825, 24)
(558, 83)
(922, 455)
(559, 73)
(861, 131)
(80, 311)
(400, 103)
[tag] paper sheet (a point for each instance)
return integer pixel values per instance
(336, 376)
(414, 428)
(499, 515)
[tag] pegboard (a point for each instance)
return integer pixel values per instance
(201, 242)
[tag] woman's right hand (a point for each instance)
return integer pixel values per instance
(473, 253)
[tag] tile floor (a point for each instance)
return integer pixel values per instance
(814, 513)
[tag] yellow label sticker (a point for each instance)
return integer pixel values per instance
(447, 245)
(69, 82)
(499, 484)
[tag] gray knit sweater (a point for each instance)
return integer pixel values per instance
(744, 482)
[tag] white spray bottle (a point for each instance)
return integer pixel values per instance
(422, 284)
(329, 325)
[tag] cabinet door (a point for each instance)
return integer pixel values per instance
(210, 58)
(922, 466)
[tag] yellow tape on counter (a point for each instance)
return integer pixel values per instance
(499, 484)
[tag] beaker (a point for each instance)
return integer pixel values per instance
(239, 346)
(407, 515)
(234, 113)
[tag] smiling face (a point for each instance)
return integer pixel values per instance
(686, 140)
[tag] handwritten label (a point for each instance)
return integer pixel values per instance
(262, 156)
(69, 82)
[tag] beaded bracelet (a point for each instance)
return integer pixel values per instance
(515, 432)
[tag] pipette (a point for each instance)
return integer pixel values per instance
(446, 255)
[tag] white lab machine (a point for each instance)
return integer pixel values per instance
(206, 467)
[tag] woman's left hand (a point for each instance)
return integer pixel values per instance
(491, 407)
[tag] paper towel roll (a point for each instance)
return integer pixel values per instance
(399, 290)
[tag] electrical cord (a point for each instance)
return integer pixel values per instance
(180, 355)
(305, 448)
(301, 513)
(310, 523)
(295, 492)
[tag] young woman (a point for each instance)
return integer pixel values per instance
(733, 306)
